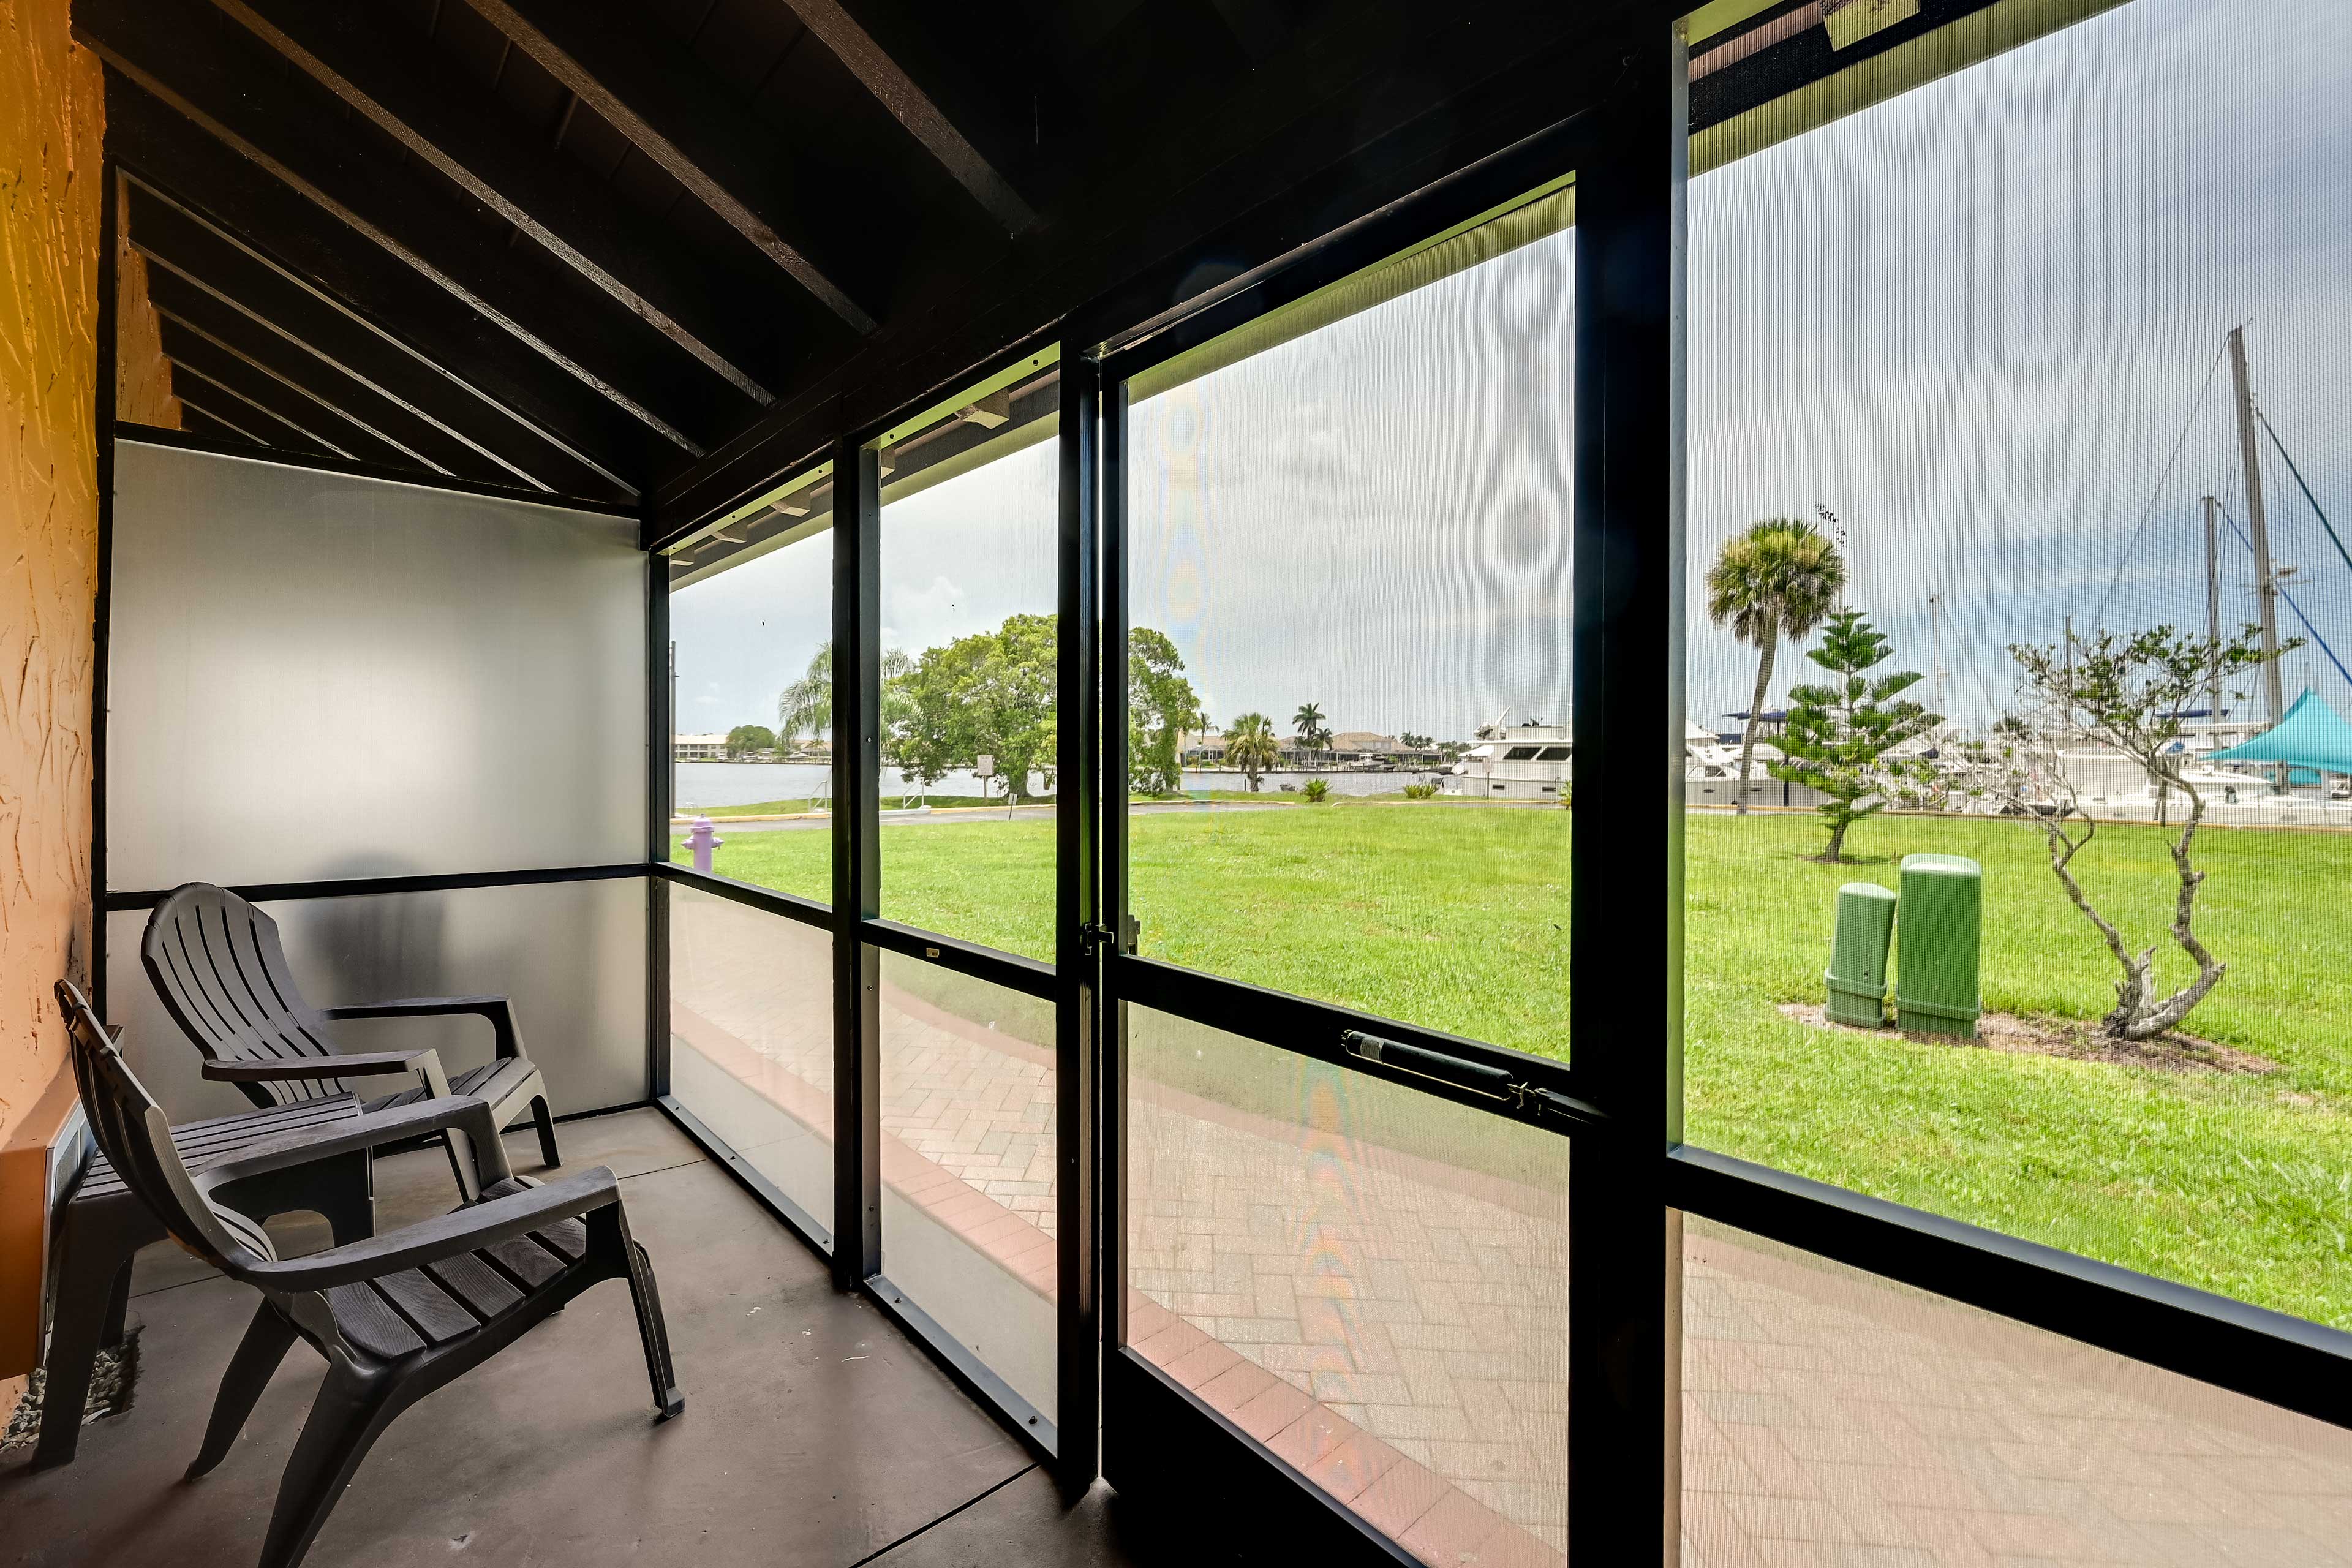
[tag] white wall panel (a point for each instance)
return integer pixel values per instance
(315, 676)
(572, 954)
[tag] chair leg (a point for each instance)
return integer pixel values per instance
(351, 1411)
(653, 1330)
(89, 1318)
(460, 1150)
(545, 1118)
(267, 1339)
(345, 1197)
(117, 1309)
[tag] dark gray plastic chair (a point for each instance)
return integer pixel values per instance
(104, 1225)
(397, 1316)
(220, 968)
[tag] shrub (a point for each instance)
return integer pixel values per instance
(1316, 790)
(1421, 792)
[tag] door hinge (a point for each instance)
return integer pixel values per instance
(1097, 934)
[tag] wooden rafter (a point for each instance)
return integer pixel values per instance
(658, 96)
(379, 72)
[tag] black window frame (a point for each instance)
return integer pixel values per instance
(1633, 1177)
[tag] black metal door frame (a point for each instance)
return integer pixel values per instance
(1631, 1176)
(1154, 1428)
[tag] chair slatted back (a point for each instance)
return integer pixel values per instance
(219, 966)
(137, 1139)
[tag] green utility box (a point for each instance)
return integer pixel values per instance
(1857, 972)
(1941, 924)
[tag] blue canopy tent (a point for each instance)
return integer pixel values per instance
(2312, 735)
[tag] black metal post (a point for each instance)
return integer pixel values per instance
(1625, 961)
(1077, 1400)
(1111, 1014)
(661, 660)
(856, 864)
(103, 414)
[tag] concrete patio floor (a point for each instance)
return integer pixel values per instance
(813, 1431)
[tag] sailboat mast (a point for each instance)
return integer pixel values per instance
(2212, 618)
(2070, 674)
(1936, 652)
(2257, 524)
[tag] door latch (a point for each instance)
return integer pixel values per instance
(1480, 1078)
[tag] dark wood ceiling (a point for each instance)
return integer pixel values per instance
(653, 250)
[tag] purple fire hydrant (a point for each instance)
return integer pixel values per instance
(702, 839)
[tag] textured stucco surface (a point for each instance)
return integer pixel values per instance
(51, 116)
(142, 376)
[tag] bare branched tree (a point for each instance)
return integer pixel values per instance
(2130, 693)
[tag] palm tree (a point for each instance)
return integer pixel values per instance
(1308, 725)
(805, 707)
(1776, 578)
(1250, 746)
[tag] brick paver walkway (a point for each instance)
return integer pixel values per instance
(1394, 1326)
(1833, 1420)
(1422, 1307)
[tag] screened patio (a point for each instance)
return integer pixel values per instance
(784, 540)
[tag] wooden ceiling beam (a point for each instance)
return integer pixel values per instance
(191, 347)
(510, 404)
(912, 108)
(164, 152)
(181, 244)
(236, 91)
(676, 112)
(382, 73)
(198, 420)
(267, 424)
(264, 344)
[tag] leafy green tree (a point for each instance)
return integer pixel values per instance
(1839, 732)
(1160, 706)
(1250, 746)
(1776, 578)
(746, 738)
(990, 692)
(2130, 693)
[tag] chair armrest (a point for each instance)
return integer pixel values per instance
(434, 1240)
(498, 1010)
(463, 1112)
(370, 1064)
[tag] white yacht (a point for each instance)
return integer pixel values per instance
(1526, 762)
(1711, 774)
(2112, 786)
(1537, 761)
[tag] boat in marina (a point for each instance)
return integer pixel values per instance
(1537, 761)
(1526, 762)
(2272, 766)
(2290, 774)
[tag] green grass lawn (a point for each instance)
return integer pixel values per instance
(1457, 917)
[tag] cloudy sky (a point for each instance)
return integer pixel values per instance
(1979, 322)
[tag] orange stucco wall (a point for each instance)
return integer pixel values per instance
(51, 116)
(142, 376)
